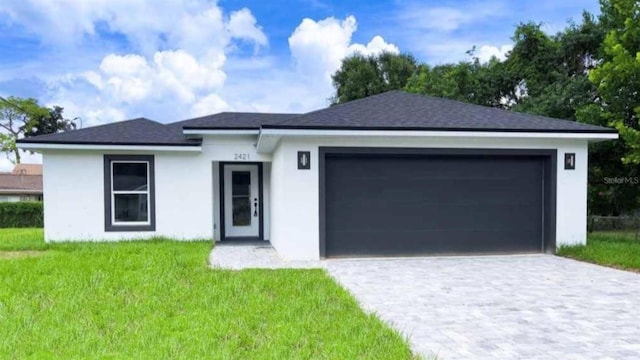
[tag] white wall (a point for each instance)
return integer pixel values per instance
(187, 196)
(295, 195)
(280, 238)
(74, 197)
(74, 184)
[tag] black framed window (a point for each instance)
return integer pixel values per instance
(129, 192)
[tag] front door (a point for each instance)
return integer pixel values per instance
(241, 201)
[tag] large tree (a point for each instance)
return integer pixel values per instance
(618, 75)
(360, 76)
(25, 117)
(473, 82)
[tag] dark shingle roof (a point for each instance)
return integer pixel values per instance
(398, 110)
(139, 131)
(394, 110)
(234, 120)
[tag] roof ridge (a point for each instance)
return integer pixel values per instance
(230, 112)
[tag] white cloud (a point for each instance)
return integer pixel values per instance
(209, 104)
(318, 47)
(446, 19)
(439, 33)
(243, 25)
(174, 84)
(486, 52)
(170, 74)
(377, 45)
(192, 25)
(175, 65)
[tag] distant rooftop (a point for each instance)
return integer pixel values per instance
(27, 169)
(20, 184)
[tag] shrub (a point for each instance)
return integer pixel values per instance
(21, 214)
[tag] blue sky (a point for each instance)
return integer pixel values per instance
(108, 60)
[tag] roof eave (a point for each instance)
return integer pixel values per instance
(451, 129)
(43, 146)
(270, 136)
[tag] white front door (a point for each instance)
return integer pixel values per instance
(241, 201)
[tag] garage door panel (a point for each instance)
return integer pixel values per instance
(436, 217)
(389, 205)
(445, 242)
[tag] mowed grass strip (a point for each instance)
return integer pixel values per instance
(615, 249)
(22, 239)
(158, 299)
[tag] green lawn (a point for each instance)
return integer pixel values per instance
(616, 249)
(158, 299)
(22, 239)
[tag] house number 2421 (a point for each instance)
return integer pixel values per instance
(241, 156)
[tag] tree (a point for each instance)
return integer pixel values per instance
(51, 123)
(469, 82)
(618, 76)
(360, 76)
(25, 117)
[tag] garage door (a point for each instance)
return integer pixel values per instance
(393, 205)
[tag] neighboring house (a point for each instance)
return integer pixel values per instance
(27, 169)
(24, 183)
(393, 174)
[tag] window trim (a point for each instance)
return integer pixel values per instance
(110, 224)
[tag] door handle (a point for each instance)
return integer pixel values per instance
(255, 205)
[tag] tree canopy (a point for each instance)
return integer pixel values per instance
(618, 76)
(24, 118)
(361, 76)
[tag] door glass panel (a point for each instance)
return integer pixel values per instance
(241, 194)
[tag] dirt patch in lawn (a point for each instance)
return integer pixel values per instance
(19, 254)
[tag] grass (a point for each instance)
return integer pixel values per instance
(615, 249)
(22, 239)
(158, 299)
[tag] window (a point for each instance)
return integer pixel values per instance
(129, 193)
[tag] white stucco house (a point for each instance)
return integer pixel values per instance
(390, 175)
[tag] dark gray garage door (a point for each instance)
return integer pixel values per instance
(391, 205)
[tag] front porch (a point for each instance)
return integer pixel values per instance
(247, 254)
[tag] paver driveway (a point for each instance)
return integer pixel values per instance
(501, 307)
